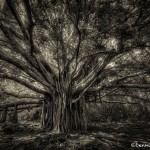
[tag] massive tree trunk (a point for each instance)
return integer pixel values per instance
(60, 115)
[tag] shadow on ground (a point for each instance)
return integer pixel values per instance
(100, 136)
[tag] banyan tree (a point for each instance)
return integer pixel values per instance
(68, 50)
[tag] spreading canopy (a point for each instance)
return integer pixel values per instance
(77, 47)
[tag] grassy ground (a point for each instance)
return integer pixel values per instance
(100, 136)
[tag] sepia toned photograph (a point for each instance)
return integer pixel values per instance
(74, 74)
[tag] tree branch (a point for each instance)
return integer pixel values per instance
(143, 86)
(94, 89)
(12, 8)
(20, 96)
(22, 82)
(20, 103)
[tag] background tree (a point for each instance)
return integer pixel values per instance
(68, 50)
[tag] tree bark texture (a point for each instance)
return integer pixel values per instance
(60, 115)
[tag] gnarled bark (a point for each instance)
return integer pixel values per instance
(60, 115)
